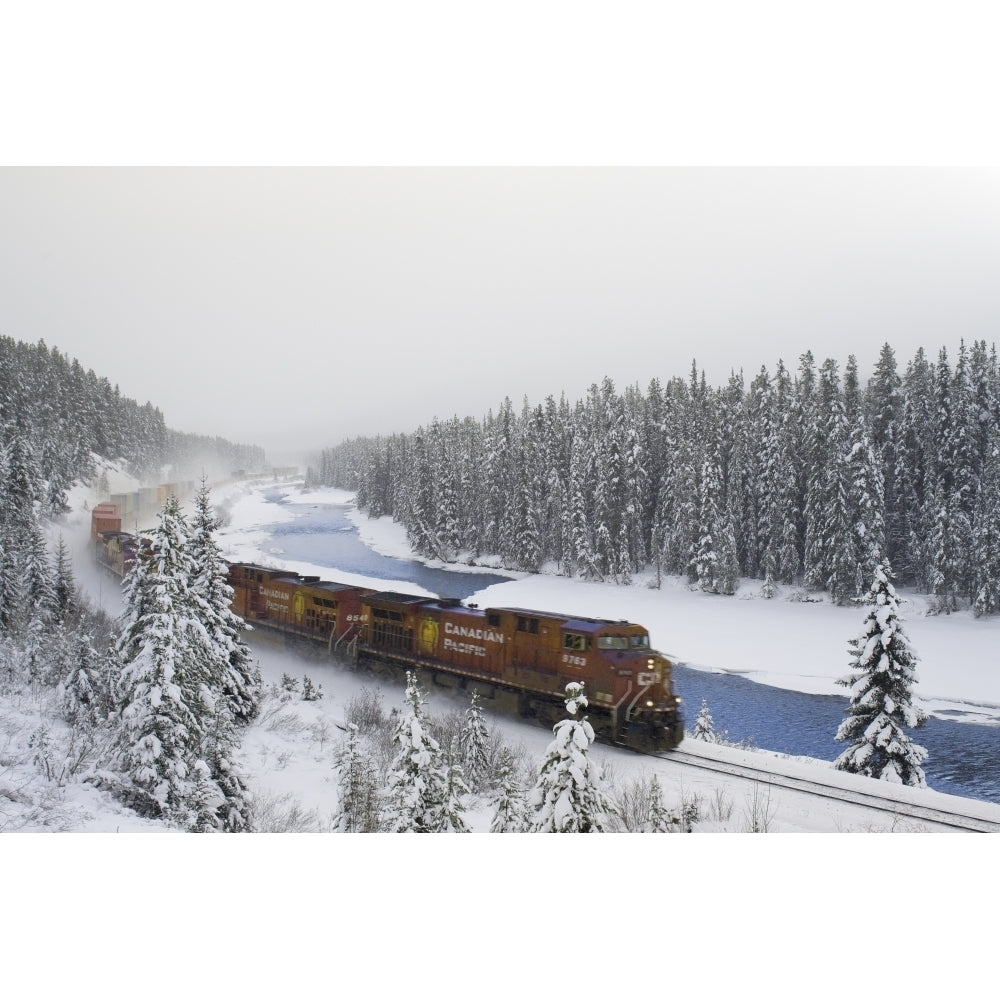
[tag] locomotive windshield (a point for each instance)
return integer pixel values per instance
(623, 641)
(612, 642)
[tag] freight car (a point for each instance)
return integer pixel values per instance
(519, 659)
(116, 551)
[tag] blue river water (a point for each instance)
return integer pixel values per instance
(962, 758)
(323, 535)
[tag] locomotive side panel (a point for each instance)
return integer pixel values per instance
(262, 595)
(390, 623)
(580, 660)
(535, 639)
(287, 602)
(467, 642)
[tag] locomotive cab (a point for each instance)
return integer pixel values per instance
(639, 694)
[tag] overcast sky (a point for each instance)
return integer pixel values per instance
(294, 307)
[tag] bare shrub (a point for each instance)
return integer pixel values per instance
(284, 721)
(759, 811)
(447, 728)
(321, 731)
(366, 711)
(494, 748)
(631, 805)
(271, 813)
(691, 808)
(722, 805)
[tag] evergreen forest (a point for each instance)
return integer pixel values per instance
(805, 478)
(63, 415)
(148, 707)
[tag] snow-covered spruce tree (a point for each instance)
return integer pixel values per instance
(510, 810)
(37, 579)
(83, 689)
(219, 747)
(228, 679)
(418, 780)
(475, 747)
(986, 557)
(453, 813)
(161, 709)
(232, 670)
(661, 820)
(359, 809)
(64, 586)
(881, 705)
(568, 797)
(704, 727)
(10, 587)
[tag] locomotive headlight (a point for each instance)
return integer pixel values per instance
(649, 704)
(651, 663)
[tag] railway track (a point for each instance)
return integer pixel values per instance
(947, 819)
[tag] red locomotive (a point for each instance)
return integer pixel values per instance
(524, 659)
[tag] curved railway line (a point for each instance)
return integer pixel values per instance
(950, 820)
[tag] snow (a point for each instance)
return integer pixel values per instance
(672, 892)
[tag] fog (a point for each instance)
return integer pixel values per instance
(294, 307)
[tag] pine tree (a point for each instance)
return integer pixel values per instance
(475, 746)
(418, 782)
(161, 708)
(567, 797)
(38, 589)
(946, 551)
(867, 500)
(453, 810)
(881, 705)
(660, 819)
(986, 562)
(510, 810)
(83, 689)
(359, 808)
(64, 587)
(231, 795)
(703, 569)
(704, 727)
(229, 665)
(10, 587)
(204, 799)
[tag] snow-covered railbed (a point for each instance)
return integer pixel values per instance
(896, 802)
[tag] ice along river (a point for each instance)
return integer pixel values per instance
(963, 758)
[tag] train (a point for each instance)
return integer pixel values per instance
(519, 660)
